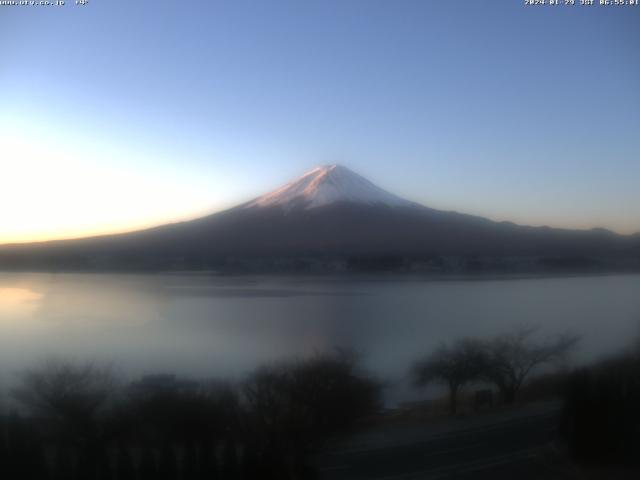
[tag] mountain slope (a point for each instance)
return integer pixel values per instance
(332, 218)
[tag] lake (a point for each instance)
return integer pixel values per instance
(202, 325)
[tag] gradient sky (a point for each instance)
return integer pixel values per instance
(123, 113)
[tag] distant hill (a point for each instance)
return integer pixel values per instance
(332, 219)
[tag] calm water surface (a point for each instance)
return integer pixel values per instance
(203, 325)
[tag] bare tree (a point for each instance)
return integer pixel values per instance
(67, 394)
(295, 407)
(174, 408)
(454, 366)
(512, 357)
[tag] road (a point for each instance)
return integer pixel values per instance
(495, 447)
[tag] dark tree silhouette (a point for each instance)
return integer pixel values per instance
(125, 468)
(307, 401)
(69, 396)
(452, 365)
(175, 409)
(230, 459)
(164, 427)
(148, 468)
(25, 456)
(167, 468)
(512, 357)
(63, 464)
(293, 408)
(600, 420)
(251, 461)
(69, 401)
(4, 451)
(190, 462)
(208, 462)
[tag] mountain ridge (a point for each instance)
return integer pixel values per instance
(333, 219)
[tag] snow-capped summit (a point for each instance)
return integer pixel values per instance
(326, 185)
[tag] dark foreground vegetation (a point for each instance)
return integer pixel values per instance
(67, 421)
(601, 417)
(76, 422)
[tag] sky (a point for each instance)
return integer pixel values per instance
(122, 114)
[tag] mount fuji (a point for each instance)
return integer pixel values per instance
(326, 185)
(332, 219)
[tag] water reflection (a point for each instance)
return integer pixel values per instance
(212, 326)
(16, 304)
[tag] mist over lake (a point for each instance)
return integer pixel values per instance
(204, 326)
